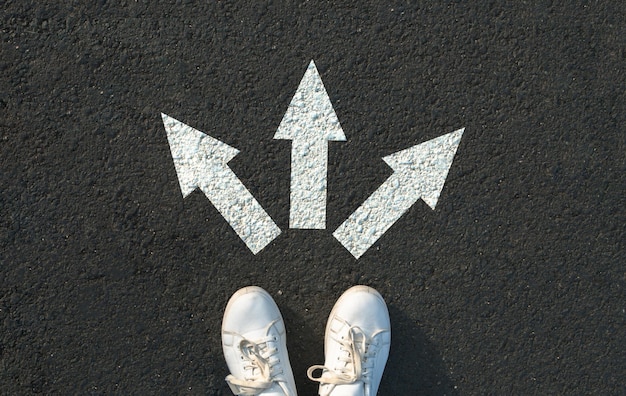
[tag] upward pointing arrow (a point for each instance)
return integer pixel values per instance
(310, 122)
(201, 162)
(419, 171)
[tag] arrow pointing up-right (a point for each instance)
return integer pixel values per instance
(419, 172)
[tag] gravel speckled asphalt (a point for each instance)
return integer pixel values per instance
(111, 283)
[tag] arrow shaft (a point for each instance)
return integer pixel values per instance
(309, 167)
(376, 215)
(237, 205)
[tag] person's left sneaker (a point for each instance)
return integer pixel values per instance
(255, 347)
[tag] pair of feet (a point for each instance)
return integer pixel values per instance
(356, 345)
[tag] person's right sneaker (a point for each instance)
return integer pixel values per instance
(356, 345)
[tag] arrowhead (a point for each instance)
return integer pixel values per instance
(424, 167)
(310, 115)
(192, 150)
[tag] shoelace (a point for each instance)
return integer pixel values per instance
(354, 364)
(260, 363)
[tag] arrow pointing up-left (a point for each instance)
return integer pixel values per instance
(201, 162)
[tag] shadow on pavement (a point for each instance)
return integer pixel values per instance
(305, 348)
(414, 366)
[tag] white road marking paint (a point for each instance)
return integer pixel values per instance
(310, 122)
(419, 172)
(201, 162)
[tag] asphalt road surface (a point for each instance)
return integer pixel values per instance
(112, 283)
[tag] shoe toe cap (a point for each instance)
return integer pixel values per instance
(364, 307)
(249, 310)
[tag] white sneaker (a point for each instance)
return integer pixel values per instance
(255, 347)
(356, 345)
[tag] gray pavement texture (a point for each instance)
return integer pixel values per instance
(111, 283)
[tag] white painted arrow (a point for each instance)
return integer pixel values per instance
(310, 122)
(419, 172)
(201, 162)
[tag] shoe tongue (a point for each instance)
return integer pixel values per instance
(354, 389)
(274, 390)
